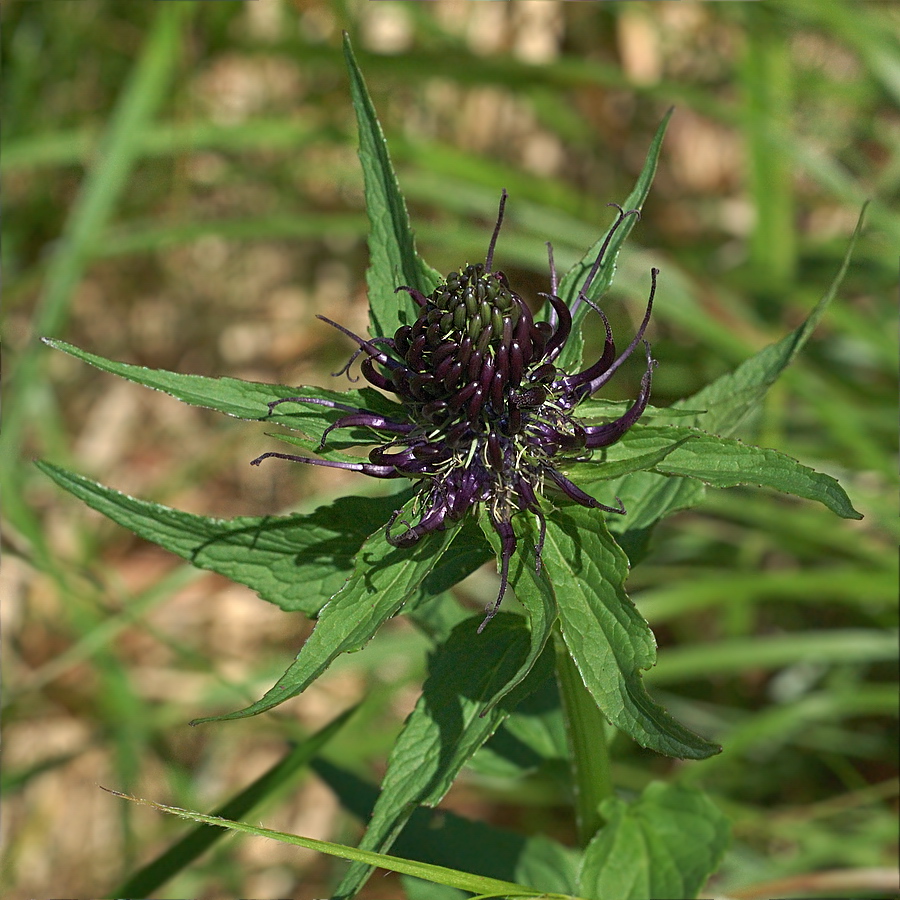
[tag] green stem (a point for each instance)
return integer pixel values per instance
(587, 731)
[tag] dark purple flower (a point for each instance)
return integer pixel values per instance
(487, 410)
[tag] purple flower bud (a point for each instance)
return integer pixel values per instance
(486, 408)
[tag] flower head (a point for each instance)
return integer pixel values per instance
(487, 411)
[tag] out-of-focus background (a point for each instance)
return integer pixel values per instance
(181, 190)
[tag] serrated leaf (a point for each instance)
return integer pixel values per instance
(596, 408)
(571, 284)
(630, 457)
(731, 397)
(648, 497)
(726, 462)
(605, 635)
(664, 846)
(393, 260)
(249, 399)
(296, 562)
(535, 596)
(448, 725)
(384, 578)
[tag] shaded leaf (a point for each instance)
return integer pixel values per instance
(535, 596)
(296, 562)
(533, 737)
(648, 498)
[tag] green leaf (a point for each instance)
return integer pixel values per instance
(168, 864)
(605, 635)
(664, 846)
(448, 725)
(648, 498)
(731, 397)
(296, 562)
(535, 596)
(393, 260)
(596, 408)
(439, 874)
(249, 399)
(726, 462)
(532, 737)
(571, 284)
(720, 462)
(630, 457)
(384, 578)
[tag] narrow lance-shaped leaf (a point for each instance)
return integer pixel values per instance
(437, 874)
(721, 407)
(607, 638)
(296, 562)
(447, 726)
(393, 260)
(384, 579)
(725, 462)
(571, 284)
(250, 399)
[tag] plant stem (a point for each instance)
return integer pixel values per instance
(587, 731)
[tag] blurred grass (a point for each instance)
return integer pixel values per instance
(181, 191)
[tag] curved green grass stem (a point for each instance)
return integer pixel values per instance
(588, 744)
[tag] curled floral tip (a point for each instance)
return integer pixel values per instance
(418, 296)
(487, 417)
(554, 282)
(623, 215)
(489, 259)
(345, 369)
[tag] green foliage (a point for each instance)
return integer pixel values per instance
(608, 639)
(581, 582)
(393, 260)
(448, 726)
(664, 844)
(572, 281)
(487, 701)
(184, 852)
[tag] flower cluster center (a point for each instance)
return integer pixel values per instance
(487, 411)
